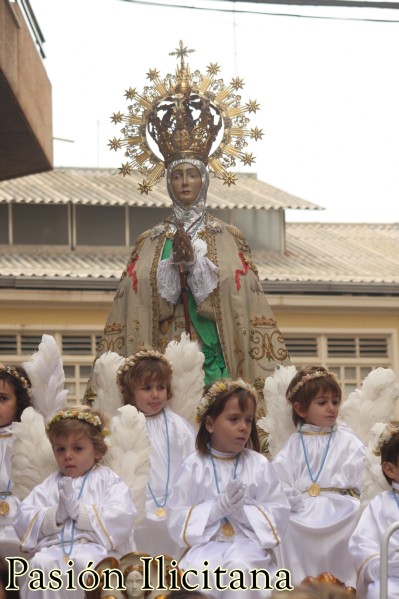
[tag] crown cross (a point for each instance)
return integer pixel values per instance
(181, 52)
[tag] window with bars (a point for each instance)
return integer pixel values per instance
(76, 377)
(350, 357)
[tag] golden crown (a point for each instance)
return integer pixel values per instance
(184, 114)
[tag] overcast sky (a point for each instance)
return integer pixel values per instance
(328, 89)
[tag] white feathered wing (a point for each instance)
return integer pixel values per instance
(374, 402)
(373, 480)
(367, 411)
(277, 423)
(129, 450)
(46, 373)
(188, 377)
(32, 458)
(129, 446)
(109, 398)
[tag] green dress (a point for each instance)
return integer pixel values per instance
(214, 364)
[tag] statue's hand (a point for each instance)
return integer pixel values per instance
(182, 249)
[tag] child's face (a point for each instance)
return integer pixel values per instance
(322, 411)
(150, 398)
(8, 403)
(231, 430)
(75, 454)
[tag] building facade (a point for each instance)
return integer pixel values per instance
(65, 237)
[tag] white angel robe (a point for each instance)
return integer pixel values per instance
(152, 535)
(319, 529)
(105, 521)
(258, 532)
(365, 543)
(9, 541)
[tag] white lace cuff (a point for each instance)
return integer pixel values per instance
(202, 279)
(168, 280)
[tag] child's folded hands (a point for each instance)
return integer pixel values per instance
(68, 499)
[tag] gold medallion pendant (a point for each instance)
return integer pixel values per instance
(4, 508)
(160, 512)
(227, 529)
(314, 490)
(67, 558)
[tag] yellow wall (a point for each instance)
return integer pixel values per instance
(57, 309)
(329, 319)
(44, 311)
(86, 315)
(55, 317)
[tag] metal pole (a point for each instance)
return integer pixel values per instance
(384, 560)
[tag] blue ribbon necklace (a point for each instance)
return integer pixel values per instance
(67, 554)
(226, 527)
(394, 493)
(4, 505)
(161, 509)
(314, 488)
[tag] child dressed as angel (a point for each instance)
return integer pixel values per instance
(228, 509)
(145, 381)
(15, 393)
(81, 512)
(379, 515)
(320, 467)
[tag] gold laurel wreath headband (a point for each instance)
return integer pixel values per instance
(131, 362)
(23, 380)
(390, 431)
(216, 390)
(308, 377)
(76, 414)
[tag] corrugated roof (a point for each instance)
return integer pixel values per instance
(327, 252)
(337, 253)
(106, 187)
(60, 262)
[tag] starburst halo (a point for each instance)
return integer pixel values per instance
(185, 115)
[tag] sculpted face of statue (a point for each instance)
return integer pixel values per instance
(186, 183)
(133, 584)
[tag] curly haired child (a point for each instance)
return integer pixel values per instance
(79, 513)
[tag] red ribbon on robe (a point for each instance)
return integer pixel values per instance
(132, 273)
(242, 272)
